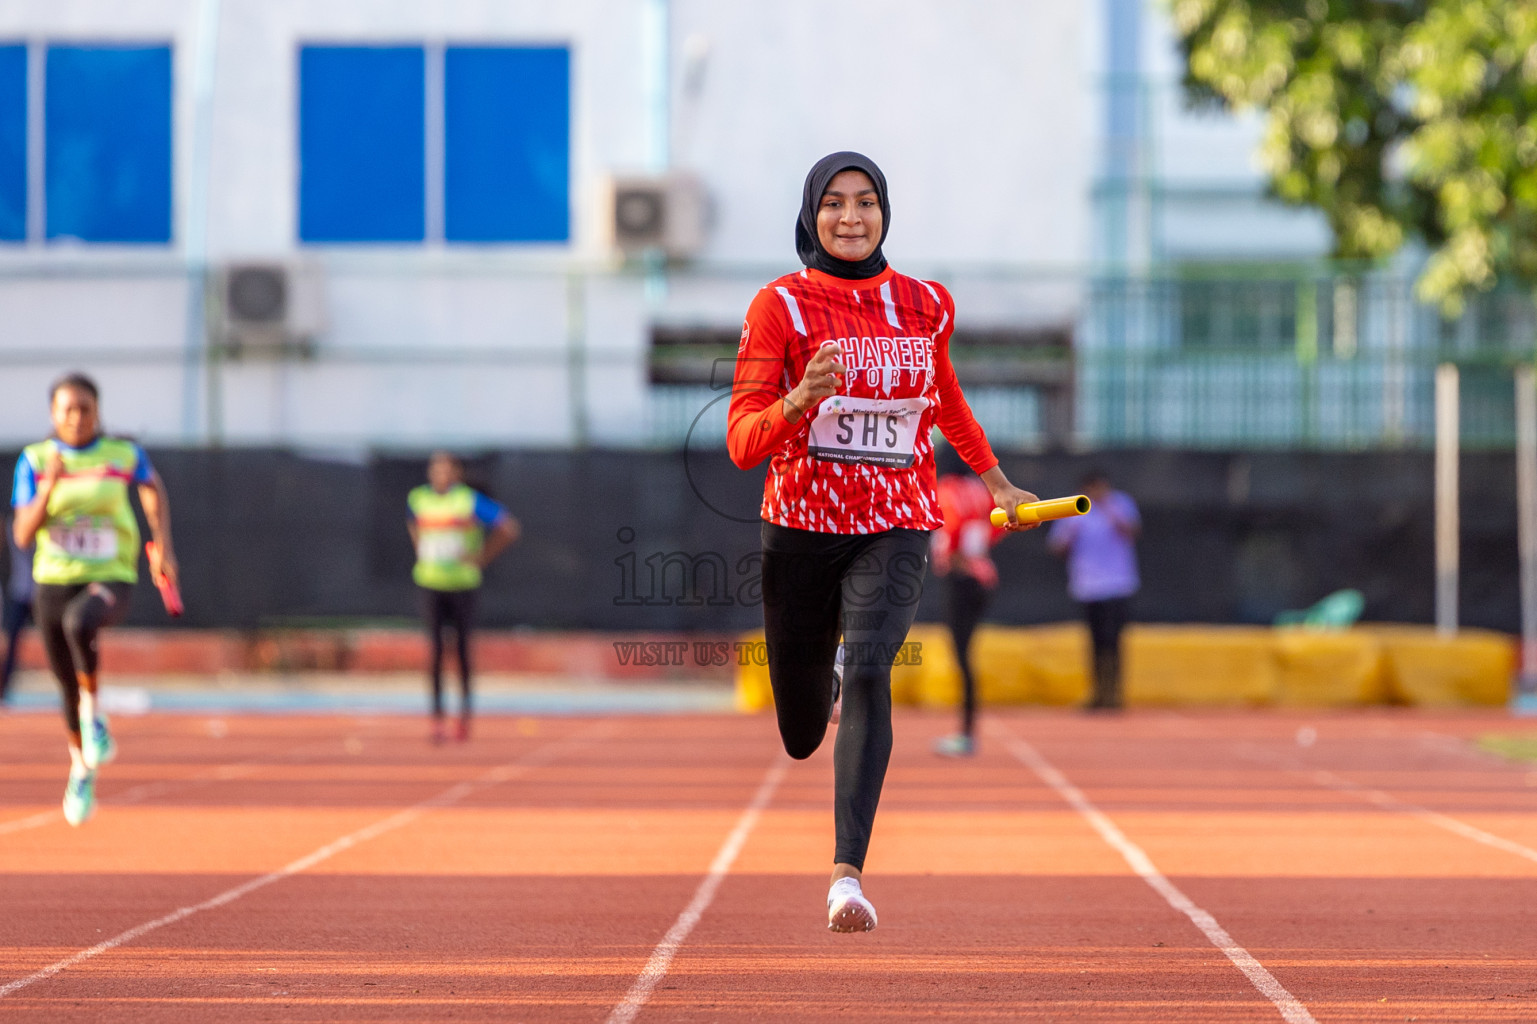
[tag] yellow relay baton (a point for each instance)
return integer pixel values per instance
(1041, 511)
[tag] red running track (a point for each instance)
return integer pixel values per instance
(1079, 869)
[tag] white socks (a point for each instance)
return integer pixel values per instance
(87, 708)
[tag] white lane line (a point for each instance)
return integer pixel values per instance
(145, 791)
(661, 957)
(138, 794)
(453, 794)
(1292, 1010)
(1389, 802)
(35, 821)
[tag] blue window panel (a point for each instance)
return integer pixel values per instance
(507, 142)
(13, 143)
(107, 153)
(362, 144)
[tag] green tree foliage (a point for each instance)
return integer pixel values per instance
(1398, 119)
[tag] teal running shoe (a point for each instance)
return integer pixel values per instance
(96, 746)
(79, 796)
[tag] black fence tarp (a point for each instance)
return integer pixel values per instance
(618, 540)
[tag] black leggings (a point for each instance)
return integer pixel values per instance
(866, 586)
(444, 608)
(965, 601)
(1106, 619)
(69, 618)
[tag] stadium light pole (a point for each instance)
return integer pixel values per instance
(1447, 422)
(656, 51)
(656, 46)
(195, 231)
(1526, 532)
(1123, 158)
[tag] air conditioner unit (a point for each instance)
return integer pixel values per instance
(266, 310)
(658, 213)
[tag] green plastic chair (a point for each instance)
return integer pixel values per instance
(1339, 610)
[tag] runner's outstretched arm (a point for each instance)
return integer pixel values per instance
(965, 434)
(157, 509)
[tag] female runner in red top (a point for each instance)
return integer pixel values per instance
(961, 557)
(842, 371)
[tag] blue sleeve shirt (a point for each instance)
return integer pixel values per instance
(487, 512)
(144, 472)
(24, 487)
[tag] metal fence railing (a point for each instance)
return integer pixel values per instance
(486, 353)
(1240, 401)
(1335, 361)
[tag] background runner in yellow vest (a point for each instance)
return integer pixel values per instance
(457, 532)
(71, 498)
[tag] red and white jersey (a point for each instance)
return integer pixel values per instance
(861, 462)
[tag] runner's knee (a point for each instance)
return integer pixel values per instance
(867, 681)
(801, 739)
(78, 622)
(800, 750)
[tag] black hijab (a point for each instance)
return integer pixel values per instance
(809, 247)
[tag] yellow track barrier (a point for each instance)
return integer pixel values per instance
(1202, 666)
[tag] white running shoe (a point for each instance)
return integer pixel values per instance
(837, 711)
(959, 745)
(96, 746)
(79, 796)
(847, 908)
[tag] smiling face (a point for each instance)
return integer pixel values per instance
(75, 419)
(849, 217)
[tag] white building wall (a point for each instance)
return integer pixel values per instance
(977, 111)
(255, 164)
(1204, 162)
(983, 113)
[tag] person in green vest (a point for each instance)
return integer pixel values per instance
(457, 532)
(71, 499)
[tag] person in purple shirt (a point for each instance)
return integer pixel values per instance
(18, 610)
(1101, 552)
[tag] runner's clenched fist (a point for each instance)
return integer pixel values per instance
(823, 378)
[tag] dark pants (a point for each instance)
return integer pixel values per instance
(965, 602)
(17, 615)
(866, 586)
(449, 609)
(69, 620)
(1106, 619)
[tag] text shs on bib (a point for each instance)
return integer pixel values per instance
(876, 421)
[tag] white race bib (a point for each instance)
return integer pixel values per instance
(87, 542)
(439, 546)
(878, 431)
